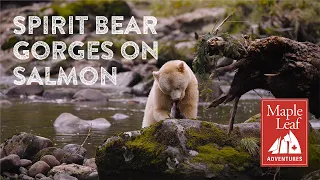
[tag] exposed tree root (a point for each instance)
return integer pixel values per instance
(287, 68)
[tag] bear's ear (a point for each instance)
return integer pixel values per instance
(181, 67)
(155, 74)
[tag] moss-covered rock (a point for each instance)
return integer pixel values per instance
(190, 149)
(179, 148)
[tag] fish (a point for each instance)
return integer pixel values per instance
(175, 112)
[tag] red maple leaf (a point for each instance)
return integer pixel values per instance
(294, 147)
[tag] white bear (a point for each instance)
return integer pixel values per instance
(174, 82)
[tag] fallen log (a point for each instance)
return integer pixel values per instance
(286, 68)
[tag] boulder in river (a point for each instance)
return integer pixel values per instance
(5, 103)
(24, 145)
(89, 95)
(59, 93)
(119, 116)
(128, 79)
(61, 155)
(191, 149)
(25, 90)
(69, 123)
(75, 149)
(143, 88)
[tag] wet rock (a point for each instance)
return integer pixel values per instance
(39, 176)
(94, 176)
(25, 162)
(38, 167)
(61, 155)
(46, 178)
(63, 176)
(128, 79)
(312, 176)
(24, 145)
(78, 171)
(10, 175)
(75, 149)
(5, 103)
(119, 116)
(89, 95)
(108, 64)
(59, 93)
(143, 88)
(90, 162)
(68, 123)
(50, 160)
(145, 70)
(25, 177)
(23, 170)
(9, 162)
(25, 90)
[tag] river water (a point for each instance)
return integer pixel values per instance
(37, 117)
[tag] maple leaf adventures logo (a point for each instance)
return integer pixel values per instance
(284, 133)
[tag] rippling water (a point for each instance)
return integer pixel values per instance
(37, 117)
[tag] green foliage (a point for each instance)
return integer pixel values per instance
(10, 42)
(206, 91)
(91, 7)
(207, 57)
(250, 144)
(202, 61)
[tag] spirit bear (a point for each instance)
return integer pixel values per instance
(174, 83)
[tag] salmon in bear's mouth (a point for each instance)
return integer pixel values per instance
(175, 111)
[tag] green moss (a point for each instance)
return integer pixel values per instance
(217, 158)
(314, 156)
(146, 150)
(208, 133)
(255, 118)
(314, 137)
(10, 42)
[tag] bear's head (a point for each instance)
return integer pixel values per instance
(173, 79)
